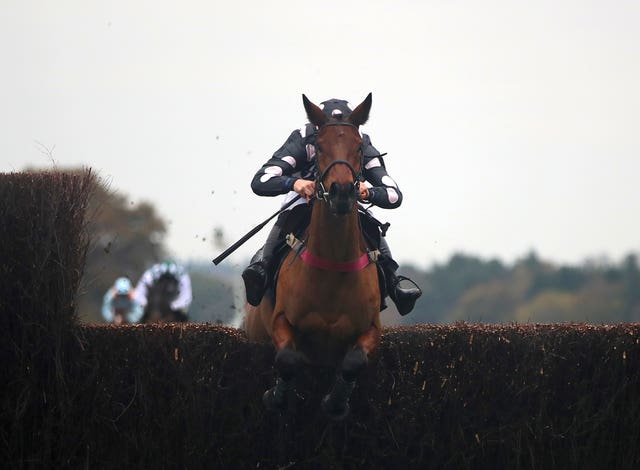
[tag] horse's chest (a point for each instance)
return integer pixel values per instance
(343, 323)
(322, 335)
(341, 303)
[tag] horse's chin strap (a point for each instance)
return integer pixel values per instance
(330, 265)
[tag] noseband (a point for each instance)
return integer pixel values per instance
(321, 192)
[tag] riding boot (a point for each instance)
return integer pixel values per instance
(256, 276)
(404, 297)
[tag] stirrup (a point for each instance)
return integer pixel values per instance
(405, 299)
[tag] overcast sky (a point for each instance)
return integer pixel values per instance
(509, 125)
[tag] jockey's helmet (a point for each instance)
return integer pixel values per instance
(122, 286)
(336, 108)
(169, 265)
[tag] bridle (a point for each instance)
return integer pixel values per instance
(300, 248)
(321, 192)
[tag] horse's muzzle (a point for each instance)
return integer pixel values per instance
(342, 197)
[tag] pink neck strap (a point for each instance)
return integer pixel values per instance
(329, 265)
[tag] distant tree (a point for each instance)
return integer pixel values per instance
(598, 302)
(125, 239)
(531, 290)
(546, 276)
(631, 288)
(494, 301)
(601, 302)
(443, 285)
(549, 306)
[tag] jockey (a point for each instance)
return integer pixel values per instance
(182, 302)
(118, 303)
(291, 171)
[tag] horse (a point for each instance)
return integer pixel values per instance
(160, 294)
(327, 297)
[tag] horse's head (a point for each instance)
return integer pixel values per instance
(338, 155)
(159, 297)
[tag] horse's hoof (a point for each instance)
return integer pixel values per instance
(334, 413)
(270, 401)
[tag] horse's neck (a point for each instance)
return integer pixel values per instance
(337, 238)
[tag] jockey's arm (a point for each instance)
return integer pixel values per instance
(140, 292)
(384, 192)
(275, 177)
(183, 301)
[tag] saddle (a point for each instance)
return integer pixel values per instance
(296, 224)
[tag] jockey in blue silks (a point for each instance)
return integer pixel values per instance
(118, 303)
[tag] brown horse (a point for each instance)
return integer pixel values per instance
(327, 307)
(160, 294)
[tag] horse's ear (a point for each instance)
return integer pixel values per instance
(360, 115)
(316, 116)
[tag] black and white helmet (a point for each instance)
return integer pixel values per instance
(336, 108)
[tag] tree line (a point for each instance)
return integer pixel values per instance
(127, 238)
(530, 290)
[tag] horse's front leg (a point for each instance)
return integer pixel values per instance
(336, 403)
(288, 362)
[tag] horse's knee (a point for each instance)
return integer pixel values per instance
(288, 363)
(353, 363)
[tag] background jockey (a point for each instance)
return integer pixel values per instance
(291, 171)
(182, 301)
(119, 305)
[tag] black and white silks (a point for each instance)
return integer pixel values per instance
(296, 159)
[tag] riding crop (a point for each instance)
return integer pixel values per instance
(252, 232)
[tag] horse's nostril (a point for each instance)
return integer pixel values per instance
(333, 190)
